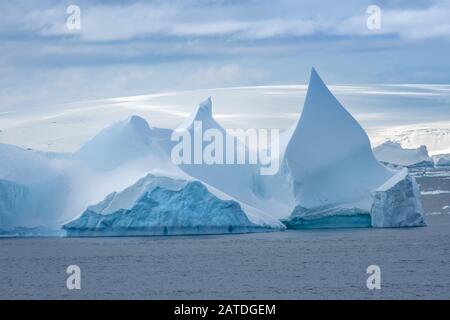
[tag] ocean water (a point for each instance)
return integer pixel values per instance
(300, 264)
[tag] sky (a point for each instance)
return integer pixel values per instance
(126, 48)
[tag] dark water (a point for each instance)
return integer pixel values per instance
(324, 264)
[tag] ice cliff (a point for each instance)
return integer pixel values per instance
(397, 203)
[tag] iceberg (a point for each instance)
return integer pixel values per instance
(32, 189)
(122, 142)
(441, 160)
(328, 177)
(16, 232)
(331, 163)
(24, 166)
(159, 205)
(436, 136)
(392, 153)
(397, 203)
(336, 180)
(14, 202)
(243, 182)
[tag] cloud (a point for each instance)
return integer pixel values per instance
(121, 21)
(134, 47)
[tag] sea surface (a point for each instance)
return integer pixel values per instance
(295, 264)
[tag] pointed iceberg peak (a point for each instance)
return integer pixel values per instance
(316, 82)
(319, 96)
(329, 153)
(122, 141)
(137, 122)
(202, 113)
(204, 109)
(134, 119)
(314, 74)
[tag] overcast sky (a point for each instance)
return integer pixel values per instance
(135, 47)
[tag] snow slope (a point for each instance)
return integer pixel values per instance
(393, 153)
(122, 142)
(158, 205)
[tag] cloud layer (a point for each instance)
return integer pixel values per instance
(131, 47)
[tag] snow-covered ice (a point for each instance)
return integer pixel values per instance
(392, 153)
(436, 135)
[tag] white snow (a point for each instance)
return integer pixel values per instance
(435, 135)
(393, 153)
(397, 203)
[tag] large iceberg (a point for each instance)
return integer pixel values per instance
(157, 205)
(397, 203)
(333, 170)
(392, 153)
(330, 160)
(328, 177)
(39, 189)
